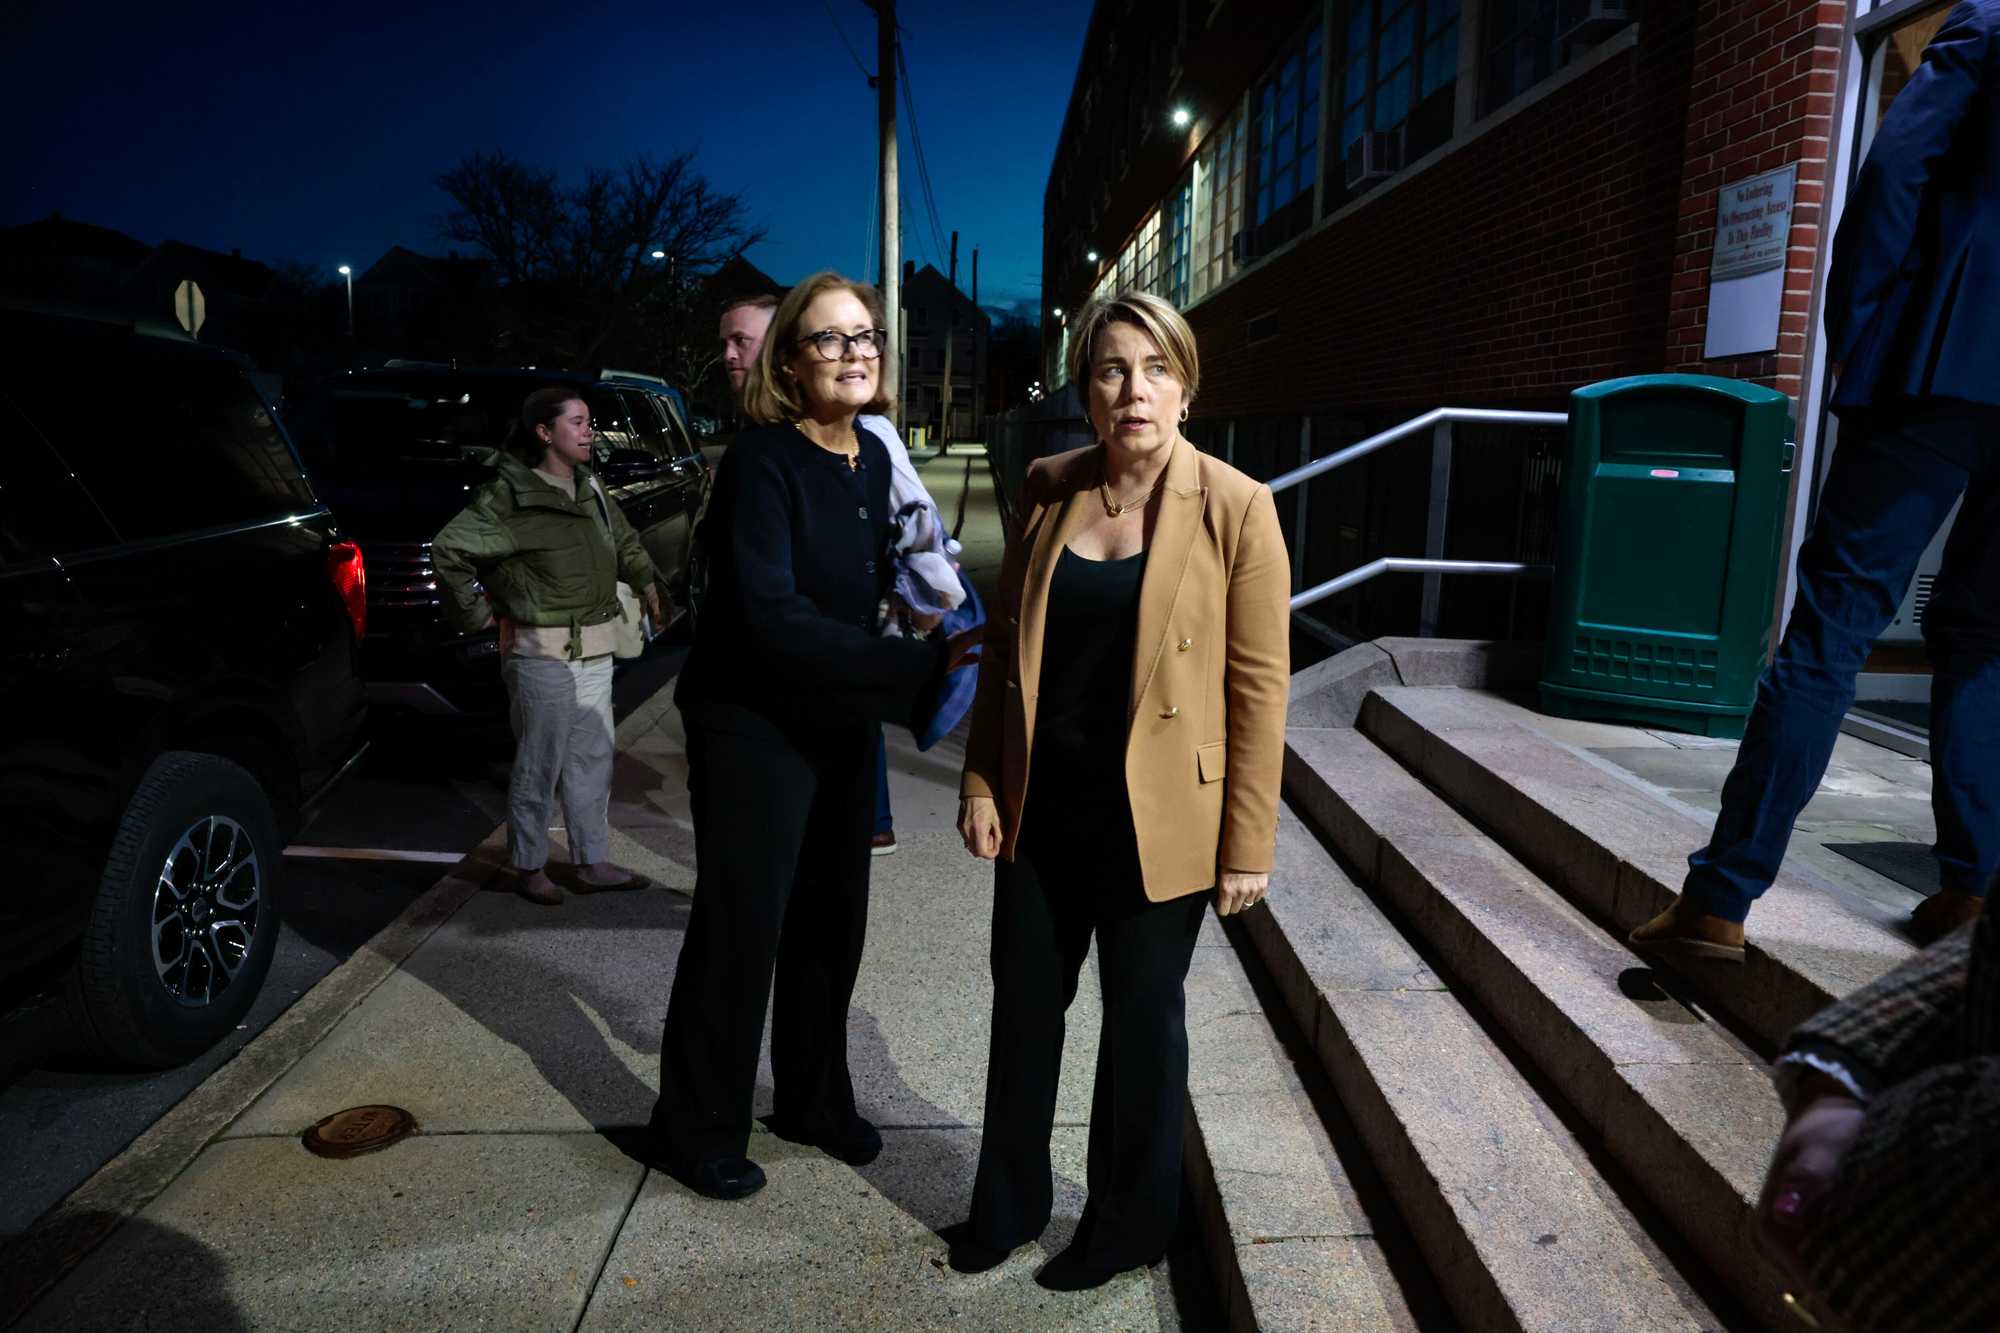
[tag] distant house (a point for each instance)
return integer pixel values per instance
(937, 315)
(64, 262)
(737, 279)
(418, 306)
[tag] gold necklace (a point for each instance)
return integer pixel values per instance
(1114, 509)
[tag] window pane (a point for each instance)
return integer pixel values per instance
(1354, 89)
(43, 512)
(1360, 27)
(1397, 34)
(1392, 100)
(194, 447)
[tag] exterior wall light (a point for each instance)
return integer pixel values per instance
(1182, 117)
(1091, 257)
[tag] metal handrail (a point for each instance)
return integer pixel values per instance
(1437, 416)
(1438, 422)
(1395, 564)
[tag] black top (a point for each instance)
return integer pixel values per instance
(798, 547)
(1081, 714)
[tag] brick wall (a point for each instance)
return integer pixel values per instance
(1762, 96)
(1529, 261)
(1566, 245)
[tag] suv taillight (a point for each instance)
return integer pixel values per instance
(350, 580)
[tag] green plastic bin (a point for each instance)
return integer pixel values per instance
(1673, 508)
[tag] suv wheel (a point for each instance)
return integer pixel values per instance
(186, 917)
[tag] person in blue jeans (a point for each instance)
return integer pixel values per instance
(1913, 320)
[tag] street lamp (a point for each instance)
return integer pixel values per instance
(1091, 257)
(1058, 312)
(1182, 117)
(348, 273)
(659, 254)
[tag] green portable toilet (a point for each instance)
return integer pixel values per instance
(1673, 507)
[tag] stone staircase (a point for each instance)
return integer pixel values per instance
(1451, 1095)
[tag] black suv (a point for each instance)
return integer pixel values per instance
(399, 450)
(179, 619)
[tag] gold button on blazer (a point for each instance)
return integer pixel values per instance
(1211, 670)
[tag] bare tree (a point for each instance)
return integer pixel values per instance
(576, 263)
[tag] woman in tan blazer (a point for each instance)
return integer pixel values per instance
(1124, 759)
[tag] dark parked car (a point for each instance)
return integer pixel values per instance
(179, 618)
(399, 450)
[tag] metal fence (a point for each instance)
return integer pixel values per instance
(1496, 476)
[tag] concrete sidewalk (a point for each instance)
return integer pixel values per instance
(523, 1039)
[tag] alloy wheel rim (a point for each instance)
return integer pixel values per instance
(207, 904)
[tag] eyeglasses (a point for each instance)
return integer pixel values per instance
(832, 345)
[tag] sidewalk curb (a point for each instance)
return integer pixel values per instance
(55, 1242)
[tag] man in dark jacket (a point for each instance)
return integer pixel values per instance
(1913, 318)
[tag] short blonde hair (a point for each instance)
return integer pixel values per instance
(1151, 315)
(769, 396)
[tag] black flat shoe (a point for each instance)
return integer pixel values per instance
(856, 1143)
(723, 1178)
(1070, 1271)
(968, 1254)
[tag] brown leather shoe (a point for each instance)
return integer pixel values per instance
(537, 887)
(1942, 913)
(1682, 930)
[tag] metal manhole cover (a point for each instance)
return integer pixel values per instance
(359, 1129)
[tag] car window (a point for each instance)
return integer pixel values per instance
(171, 443)
(609, 418)
(413, 425)
(411, 419)
(650, 425)
(43, 512)
(680, 440)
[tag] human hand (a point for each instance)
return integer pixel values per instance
(1236, 891)
(921, 621)
(506, 636)
(1816, 1136)
(979, 825)
(963, 647)
(650, 595)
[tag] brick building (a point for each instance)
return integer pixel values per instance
(1370, 208)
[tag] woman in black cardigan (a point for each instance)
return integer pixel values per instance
(781, 695)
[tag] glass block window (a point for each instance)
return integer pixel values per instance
(1285, 122)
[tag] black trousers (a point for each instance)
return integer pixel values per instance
(782, 820)
(1072, 878)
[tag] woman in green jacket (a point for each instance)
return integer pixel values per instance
(548, 547)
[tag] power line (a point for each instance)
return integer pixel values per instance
(842, 34)
(917, 149)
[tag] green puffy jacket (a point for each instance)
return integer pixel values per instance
(545, 558)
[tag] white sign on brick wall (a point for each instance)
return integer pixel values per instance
(1746, 274)
(1753, 223)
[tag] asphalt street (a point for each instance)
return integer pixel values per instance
(426, 792)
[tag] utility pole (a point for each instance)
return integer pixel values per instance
(950, 346)
(892, 214)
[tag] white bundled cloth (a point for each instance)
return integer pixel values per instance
(926, 579)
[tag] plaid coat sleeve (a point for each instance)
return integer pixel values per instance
(1903, 1237)
(1909, 1019)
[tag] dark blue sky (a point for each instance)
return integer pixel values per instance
(314, 133)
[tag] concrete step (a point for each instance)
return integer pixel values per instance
(1681, 1105)
(1620, 853)
(1298, 1230)
(1518, 1223)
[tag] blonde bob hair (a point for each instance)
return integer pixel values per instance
(769, 394)
(1152, 316)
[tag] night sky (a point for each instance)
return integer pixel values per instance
(313, 133)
